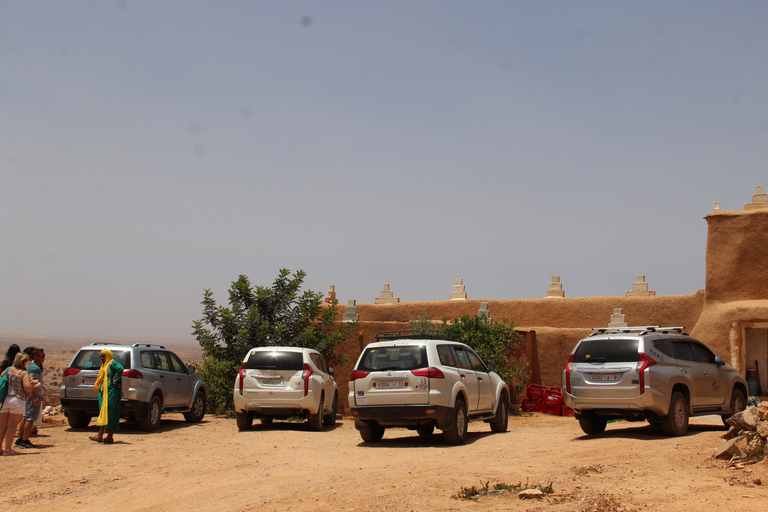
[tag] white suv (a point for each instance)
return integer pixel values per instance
(421, 382)
(658, 374)
(281, 382)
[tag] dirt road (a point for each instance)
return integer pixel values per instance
(278, 467)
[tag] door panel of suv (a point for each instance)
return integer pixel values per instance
(159, 364)
(469, 378)
(714, 387)
(691, 371)
(326, 378)
(184, 383)
(485, 395)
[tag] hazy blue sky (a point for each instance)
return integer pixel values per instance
(150, 150)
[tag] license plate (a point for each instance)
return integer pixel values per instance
(390, 384)
(604, 377)
(273, 382)
(89, 381)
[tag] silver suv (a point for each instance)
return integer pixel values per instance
(154, 381)
(421, 382)
(657, 374)
(282, 382)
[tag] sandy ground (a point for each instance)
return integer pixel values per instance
(212, 466)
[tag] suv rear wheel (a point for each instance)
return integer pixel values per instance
(457, 434)
(330, 418)
(197, 411)
(738, 404)
(244, 420)
(591, 423)
(78, 419)
(373, 433)
(501, 420)
(316, 420)
(151, 421)
(676, 423)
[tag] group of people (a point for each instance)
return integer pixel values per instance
(22, 406)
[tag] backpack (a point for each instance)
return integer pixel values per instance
(4, 382)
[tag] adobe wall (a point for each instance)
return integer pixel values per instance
(737, 255)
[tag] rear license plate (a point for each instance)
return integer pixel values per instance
(389, 384)
(273, 382)
(604, 377)
(89, 381)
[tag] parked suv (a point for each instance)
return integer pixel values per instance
(423, 381)
(281, 382)
(154, 381)
(658, 374)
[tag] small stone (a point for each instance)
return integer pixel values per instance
(530, 494)
(757, 481)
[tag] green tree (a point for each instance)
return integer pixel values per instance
(494, 342)
(280, 315)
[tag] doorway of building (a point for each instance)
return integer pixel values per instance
(756, 352)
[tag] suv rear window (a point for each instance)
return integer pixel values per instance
(275, 360)
(90, 359)
(401, 357)
(606, 351)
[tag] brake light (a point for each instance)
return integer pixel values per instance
(241, 376)
(568, 374)
(431, 372)
(133, 374)
(357, 374)
(70, 371)
(644, 361)
(306, 375)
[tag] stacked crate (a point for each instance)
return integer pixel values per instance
(533, 397)
(552, 403)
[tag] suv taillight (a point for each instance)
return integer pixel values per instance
(431, 372)
(644, 361)
(133, 374)
(568, 374)
(241, 376)
(306, 375)
(357, 374)
(70, 371)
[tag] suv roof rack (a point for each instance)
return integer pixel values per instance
(414, 335)
(146, 345)
(642, 329)
(106, 343)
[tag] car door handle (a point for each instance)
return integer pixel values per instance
(683, 370)
(479, 379)
(162, 376)
(706, 374)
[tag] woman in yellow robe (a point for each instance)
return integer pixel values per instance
(111, 376)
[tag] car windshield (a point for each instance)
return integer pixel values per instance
(90, 359)
(401, 357)
(275, 360)
(606, 351)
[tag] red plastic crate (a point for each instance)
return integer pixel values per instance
(567, 411)
(553, 409)
(529, 404)
(553, 396)
(535, 391)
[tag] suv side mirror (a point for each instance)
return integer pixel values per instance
(330, 370)
(191, 368)
(491, 366)
(719, 361)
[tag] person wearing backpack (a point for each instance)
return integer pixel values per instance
(19, 388)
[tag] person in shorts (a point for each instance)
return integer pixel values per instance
(20, 388)
(32, 412)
